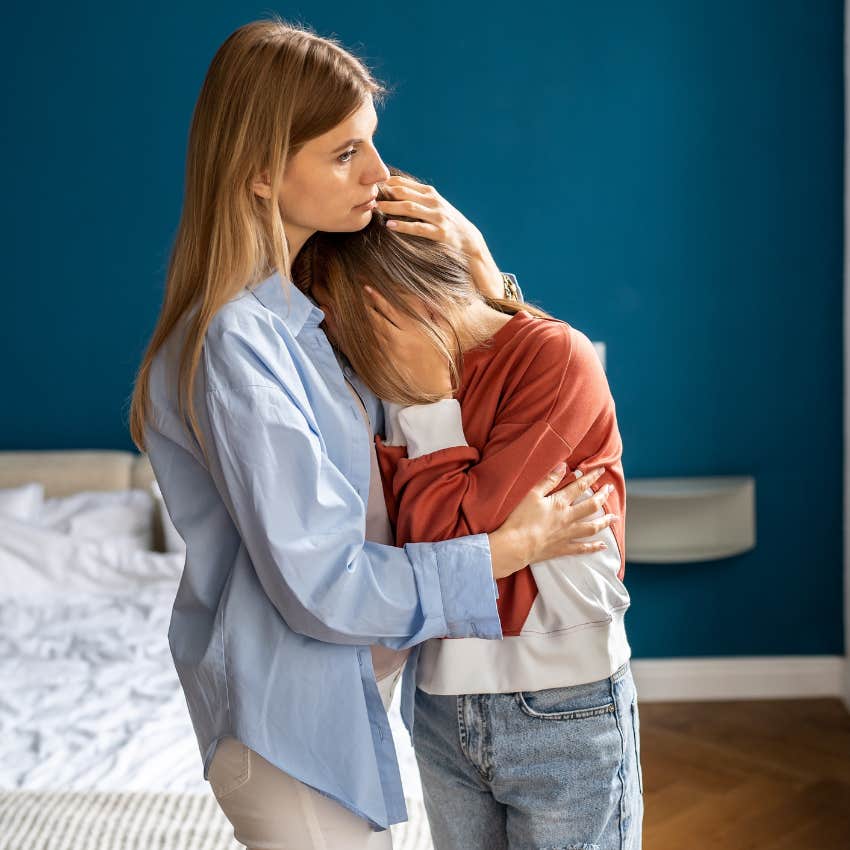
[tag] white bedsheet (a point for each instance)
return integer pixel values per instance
(89, 698)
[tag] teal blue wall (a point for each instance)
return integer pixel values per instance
(667, 176)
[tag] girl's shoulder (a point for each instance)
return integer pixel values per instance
(552, 343)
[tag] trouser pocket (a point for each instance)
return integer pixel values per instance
(636, 741)
(230, 768)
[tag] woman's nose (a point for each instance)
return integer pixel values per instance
(377, 171)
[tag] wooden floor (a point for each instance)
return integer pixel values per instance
(772, 775)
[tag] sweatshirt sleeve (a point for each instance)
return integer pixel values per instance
(453, 488)
(559, 409)
(585, 414)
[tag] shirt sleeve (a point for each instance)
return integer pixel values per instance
(303, 525)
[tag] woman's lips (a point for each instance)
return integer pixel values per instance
(370, 203)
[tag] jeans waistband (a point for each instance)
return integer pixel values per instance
(620, 672)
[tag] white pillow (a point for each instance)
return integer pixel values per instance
(122, 516)
(173, 541)
(22, 502)
(36, 560)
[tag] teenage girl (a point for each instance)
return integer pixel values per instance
(531, 741)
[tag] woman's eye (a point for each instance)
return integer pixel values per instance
(346, 157)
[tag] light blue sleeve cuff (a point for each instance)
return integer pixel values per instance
(469, 592)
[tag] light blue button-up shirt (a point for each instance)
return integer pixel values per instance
(281, 596)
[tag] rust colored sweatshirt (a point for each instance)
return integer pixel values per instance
(533, 395)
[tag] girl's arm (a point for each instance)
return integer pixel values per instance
(440, 488)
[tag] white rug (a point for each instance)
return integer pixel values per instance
(140, 820)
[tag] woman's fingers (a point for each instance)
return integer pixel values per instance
(399, 192)
(575, 488)
(550, 480)
(415, 228)
(587, 507)
(410, 208)
(583, 509)
(594, 526)
(594, 503)
(397, 184)
(585, 548)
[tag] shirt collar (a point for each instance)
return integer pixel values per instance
(288, 302)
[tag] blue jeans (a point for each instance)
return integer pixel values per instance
(557, 769)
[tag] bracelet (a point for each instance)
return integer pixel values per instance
(511, 289)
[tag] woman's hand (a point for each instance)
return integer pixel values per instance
(408, 346)
(440, 221)
(545, 526)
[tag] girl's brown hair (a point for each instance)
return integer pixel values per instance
(270, 88)
(420, 277)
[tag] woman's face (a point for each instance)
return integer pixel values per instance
(331, 183)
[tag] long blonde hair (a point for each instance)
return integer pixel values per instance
(420, 277)
(270, 88)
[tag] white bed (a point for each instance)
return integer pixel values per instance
(96, 748)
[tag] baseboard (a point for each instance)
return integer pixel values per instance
(740, 678)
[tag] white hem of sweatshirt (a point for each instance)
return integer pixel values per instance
(424, 428)
(526, 662)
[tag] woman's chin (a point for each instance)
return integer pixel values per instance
(357, 220)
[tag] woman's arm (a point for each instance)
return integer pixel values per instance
(303, 523)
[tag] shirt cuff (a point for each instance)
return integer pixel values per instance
(465, 571)
(427, 428)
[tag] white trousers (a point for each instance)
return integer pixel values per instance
(271, 810)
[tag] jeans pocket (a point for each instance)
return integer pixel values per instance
(569, 703)
(636, 739)
(230, 768)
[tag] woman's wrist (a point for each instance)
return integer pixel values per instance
(485, 273)
(510, 550)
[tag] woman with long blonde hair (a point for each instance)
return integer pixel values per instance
(295, 612)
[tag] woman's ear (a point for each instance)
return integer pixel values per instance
(261, 186)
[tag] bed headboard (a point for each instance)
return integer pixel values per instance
(66, 472)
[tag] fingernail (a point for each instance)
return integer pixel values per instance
(392, 223)
(578, 473)
(609, 488)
